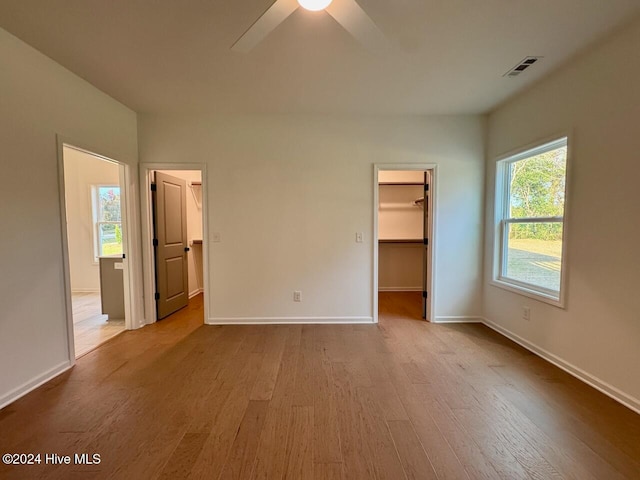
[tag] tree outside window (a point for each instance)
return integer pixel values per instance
(108, 221)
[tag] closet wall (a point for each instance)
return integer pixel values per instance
(400, 234)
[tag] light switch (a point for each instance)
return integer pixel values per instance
(358, 237)
(215, 237)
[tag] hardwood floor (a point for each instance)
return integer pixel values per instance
(90, 327)
(401, 399)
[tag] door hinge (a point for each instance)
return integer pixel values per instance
(426, 187)
(155, 242)
(424, 294)
(153, 187)
(426, 241)
(157, 296)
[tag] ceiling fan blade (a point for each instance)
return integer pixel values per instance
(268, 22)
(354, 19)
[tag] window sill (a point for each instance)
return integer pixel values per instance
(527, 292)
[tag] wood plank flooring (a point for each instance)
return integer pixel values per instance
(401, 399)
(90, 327)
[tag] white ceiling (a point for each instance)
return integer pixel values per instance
(444, 57)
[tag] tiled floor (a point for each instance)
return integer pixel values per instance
(90, 327)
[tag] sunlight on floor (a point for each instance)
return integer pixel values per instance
(90, 327)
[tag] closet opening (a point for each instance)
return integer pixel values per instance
(174, 241)
(404, 241)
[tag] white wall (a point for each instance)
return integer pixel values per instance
(81, 172)
(596, 98)
(288, 193)
(39, 99)
(194, 227)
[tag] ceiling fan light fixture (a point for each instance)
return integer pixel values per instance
(314, 5)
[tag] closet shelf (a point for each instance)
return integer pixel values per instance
(400, 183)
(400, 240)
(400, 206)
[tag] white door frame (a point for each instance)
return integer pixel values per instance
(431, 259)
(146, 213)
(128, 235)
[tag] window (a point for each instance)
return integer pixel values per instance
(107, 221)
(530, 205)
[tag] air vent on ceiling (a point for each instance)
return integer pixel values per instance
(521, 66)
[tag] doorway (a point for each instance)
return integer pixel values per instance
(95, 227)
(403, 241)
(174, 239)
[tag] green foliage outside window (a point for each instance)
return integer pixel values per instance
(109, 204)
(109, 221)
(537, 186)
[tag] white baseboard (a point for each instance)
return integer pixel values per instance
(604, 387)
(458, 319)
(85, 290)
(399, 289)
(197, 291)
(286, 320)
(32, 384)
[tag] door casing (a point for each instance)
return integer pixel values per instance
(431, 270)
(128, 238)
(148, 262)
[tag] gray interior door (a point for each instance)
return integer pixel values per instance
(170, 225)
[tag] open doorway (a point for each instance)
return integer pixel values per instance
(93, 203)
(403, 241)
(174, 240)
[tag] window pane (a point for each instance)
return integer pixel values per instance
(109, 239)
(109, 204)
(537, 185)
(534, 254)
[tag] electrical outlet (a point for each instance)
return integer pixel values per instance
(297, 296)
(526, 313)
(358, 237)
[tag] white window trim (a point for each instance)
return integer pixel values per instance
(501, 218)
